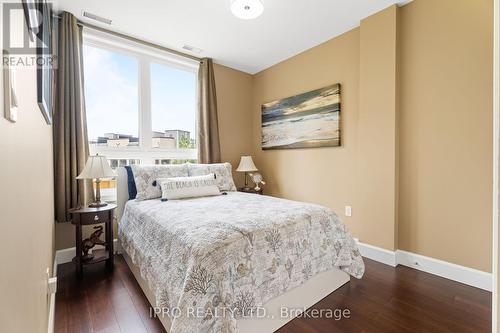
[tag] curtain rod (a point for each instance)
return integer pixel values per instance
(136, 40)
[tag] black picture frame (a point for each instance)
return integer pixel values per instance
(45, 73)
(32, 21)
(41, 32)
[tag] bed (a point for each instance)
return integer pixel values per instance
(237, 262)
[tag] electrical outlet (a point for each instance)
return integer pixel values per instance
(51, 283)
(52, 289)
(348, 211)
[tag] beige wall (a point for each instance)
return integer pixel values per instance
(65, 235)
(235, 117)
(446, 130)
(376, 181)
(27, 213)
(322, 175)
(496, 100)
(442, 116)
(363, 61)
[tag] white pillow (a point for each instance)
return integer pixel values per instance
(223, 172)
(188, 187)
(146, 178)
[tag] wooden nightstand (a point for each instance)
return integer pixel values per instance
(92, 216)
(251, 190)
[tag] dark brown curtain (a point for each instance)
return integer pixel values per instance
(208, 125)
(71, 148)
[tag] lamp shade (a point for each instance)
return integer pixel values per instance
(246, 164)
(96, 167)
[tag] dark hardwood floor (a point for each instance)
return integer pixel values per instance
(386, 300)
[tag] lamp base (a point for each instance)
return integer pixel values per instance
(97, 204)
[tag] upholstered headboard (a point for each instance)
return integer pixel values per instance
(122, 192)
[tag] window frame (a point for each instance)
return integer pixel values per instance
(145, 56)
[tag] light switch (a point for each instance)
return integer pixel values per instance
(348, 211)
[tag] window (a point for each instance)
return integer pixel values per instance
(140, 104)
(114, 163)
(173, 107)
(111, 98)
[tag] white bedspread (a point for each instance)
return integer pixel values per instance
(224, 256)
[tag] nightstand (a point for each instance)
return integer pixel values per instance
(92, 216)
(251, 190)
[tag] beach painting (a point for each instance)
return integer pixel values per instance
(307, 120)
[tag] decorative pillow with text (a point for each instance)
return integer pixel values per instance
(188, 187)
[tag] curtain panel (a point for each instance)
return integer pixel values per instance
(208, 125)
(71, 148)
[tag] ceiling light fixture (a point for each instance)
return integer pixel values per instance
(247, 9)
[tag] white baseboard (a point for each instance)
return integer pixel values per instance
(66, 255)
(462, 274)
(378, 254)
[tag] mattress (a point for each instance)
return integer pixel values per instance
(211, 260)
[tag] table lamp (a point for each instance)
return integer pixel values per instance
(246, 166)
(97, 167)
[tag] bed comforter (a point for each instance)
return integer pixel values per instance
(215, 259)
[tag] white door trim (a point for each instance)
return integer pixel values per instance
(496, 165)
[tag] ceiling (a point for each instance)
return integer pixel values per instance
(286, 28)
